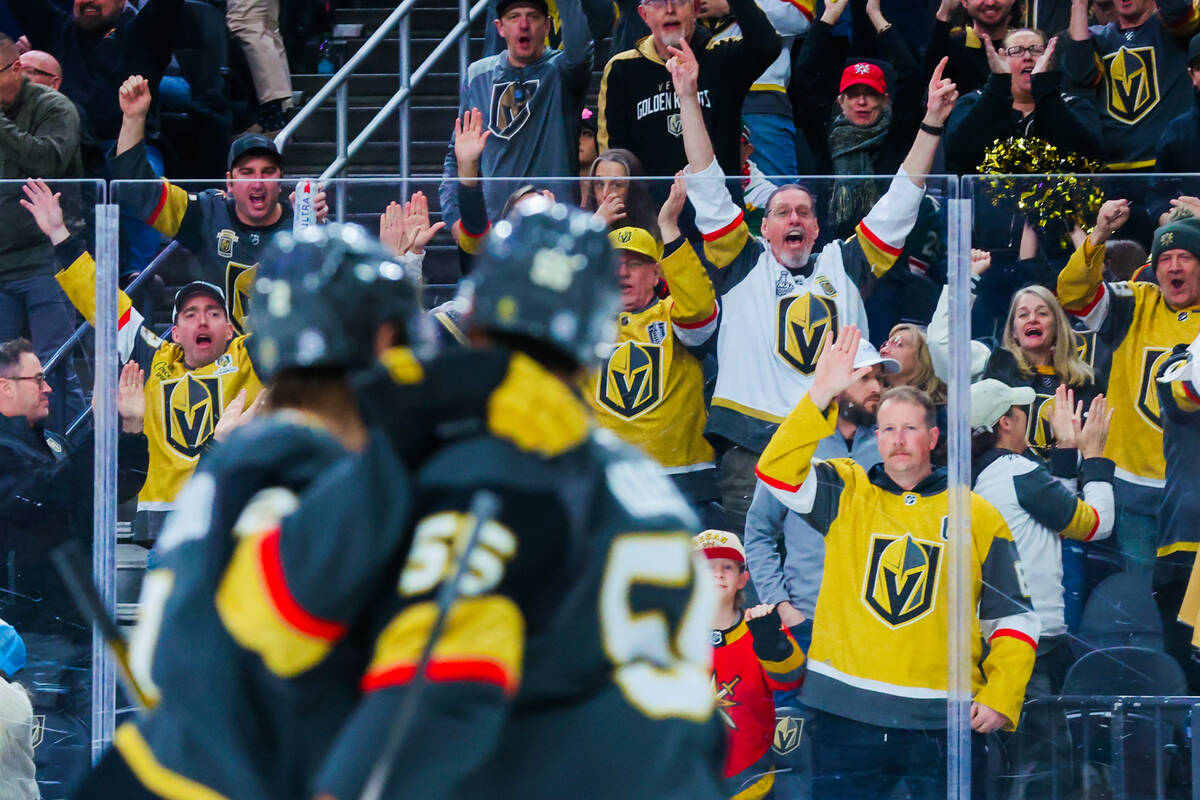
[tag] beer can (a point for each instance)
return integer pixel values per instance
(303, 214)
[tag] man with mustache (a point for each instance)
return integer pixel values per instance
(784, 553)
(878, 664)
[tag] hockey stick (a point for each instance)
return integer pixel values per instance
(71, 564)
(484, 508)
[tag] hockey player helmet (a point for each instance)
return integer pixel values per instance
(321, 295)
(547, 273)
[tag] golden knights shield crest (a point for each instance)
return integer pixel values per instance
(510, 106)
(1131, 77)
(902, 576)
(191, 408)
(630, 381)
(804, 320)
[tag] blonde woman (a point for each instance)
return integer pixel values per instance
(906, 343)
(1039, 349)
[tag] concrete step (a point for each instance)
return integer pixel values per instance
(427, 121)
(382, 85)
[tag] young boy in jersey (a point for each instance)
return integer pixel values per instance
(753, 656)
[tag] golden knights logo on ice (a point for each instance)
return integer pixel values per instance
(1132, 83)
(191, 408)
(902, 576)
(803, 322)
(631, 380)
(510, 106)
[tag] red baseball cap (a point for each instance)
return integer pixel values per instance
(866, 74)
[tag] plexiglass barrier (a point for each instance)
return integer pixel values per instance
(62, 478)
(909, 592)
(1090, 283)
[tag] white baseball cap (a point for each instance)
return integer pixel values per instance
(868, 356)
(991, 399)
(719, 544)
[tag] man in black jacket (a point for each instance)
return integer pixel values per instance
(45, 500)
(638, 107)
(1177, 152)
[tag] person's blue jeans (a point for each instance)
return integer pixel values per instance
(37, 307)
(774, 140)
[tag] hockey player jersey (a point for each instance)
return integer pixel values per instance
(1137, 331)
(773, 321)
(1040, 510)
(878, 652)
(182, 405)
(752, 660)
(206, 223)
(1142, 78)
(650, 390)
(575, 660)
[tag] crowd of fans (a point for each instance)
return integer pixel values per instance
(736, 276)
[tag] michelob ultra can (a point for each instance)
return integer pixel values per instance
(303, 214)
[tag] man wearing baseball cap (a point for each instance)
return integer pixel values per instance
(650, 389)
(198, 384)
(225, 230)
(786, 555)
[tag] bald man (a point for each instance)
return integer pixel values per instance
(41, 67)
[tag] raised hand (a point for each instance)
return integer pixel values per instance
(416, 223)
(833, 11)
(1064, 417)
(759, 611)
(470, 136)
(997, 63)
(46, 208)
(391, 228)
(236, 414)
(835, 370)
(684, 69)
(134, 97)
(981, 261)
(1112, 215)
(1045, 62)
(668, 215)
(943, 94)
(1093, 434)
(131, 397)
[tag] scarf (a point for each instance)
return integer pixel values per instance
(852, 149)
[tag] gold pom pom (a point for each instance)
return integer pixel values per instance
(1061, 190)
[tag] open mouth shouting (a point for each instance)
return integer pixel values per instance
(1033, 335)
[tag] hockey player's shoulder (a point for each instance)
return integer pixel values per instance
(637, 484)
(284, 438)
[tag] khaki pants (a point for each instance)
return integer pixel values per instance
(16, 743)
(255, 24)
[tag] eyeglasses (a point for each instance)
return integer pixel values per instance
(661, 4)
(783, 212)
(1036, 49)
(40, 377)
(36, 71)
(10, 66)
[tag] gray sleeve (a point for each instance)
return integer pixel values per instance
(47, 148)
(764, 546)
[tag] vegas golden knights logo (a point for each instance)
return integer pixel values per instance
(1147, 404)
(1085, 347)
(239, 279)
(191, 408)
(1039, 433)
(788, 732)
(510, 107)
(630, 382)
(1132, 89)
(902, 576)
(804, 320)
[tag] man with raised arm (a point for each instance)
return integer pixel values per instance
(778, 298)
(878, 663)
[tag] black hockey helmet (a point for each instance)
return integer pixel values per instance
(321, 295)
(547, 273)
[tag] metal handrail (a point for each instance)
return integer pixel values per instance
(338, 83)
